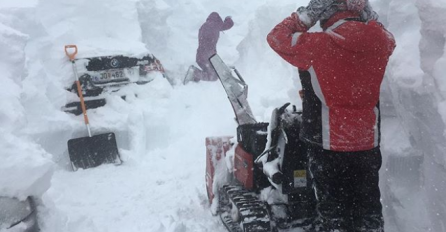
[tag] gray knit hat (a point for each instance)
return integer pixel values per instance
(324, 9)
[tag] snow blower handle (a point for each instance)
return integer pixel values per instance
(71, 56)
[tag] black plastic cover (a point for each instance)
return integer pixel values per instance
(253, 137)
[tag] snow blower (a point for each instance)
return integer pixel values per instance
(91, 151)
(260, 183)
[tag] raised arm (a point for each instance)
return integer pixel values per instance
(290, 40)
(227, 24)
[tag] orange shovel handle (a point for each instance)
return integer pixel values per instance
(73, 54)
(81, 96)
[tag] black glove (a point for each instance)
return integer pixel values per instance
(324, 9)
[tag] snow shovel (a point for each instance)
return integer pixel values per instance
(91, 151)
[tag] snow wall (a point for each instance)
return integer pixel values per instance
(416, 83)
(18, 152)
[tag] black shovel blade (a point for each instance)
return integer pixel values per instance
(90, 152)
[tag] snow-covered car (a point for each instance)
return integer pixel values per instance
(104, 75)
(18, 216)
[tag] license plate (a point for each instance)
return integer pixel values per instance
(109, 75)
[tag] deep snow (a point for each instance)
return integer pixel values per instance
(160, 187)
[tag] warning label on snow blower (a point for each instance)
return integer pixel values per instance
(300, 178)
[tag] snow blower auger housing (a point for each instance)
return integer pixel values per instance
(260, 181)
(106, 74)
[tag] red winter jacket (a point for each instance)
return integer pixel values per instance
(341, 72)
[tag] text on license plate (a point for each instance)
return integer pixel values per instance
(109, 75)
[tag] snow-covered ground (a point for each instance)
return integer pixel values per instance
(160, 187)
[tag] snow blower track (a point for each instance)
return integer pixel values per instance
(252, 213)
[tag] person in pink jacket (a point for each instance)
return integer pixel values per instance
(208, 36)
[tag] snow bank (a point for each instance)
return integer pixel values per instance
(18, 3)
(12, 63)
(100, 27)
(416, 83)
(404, 65)
(25, 169)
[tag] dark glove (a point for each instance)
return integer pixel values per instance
(324, 9)
(368, 13)
(353, 5)
(228, 23)
(316, 10)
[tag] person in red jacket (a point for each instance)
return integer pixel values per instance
(341, 70)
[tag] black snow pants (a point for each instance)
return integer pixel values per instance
(346, 188)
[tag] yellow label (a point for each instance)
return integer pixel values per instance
(300, 173)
